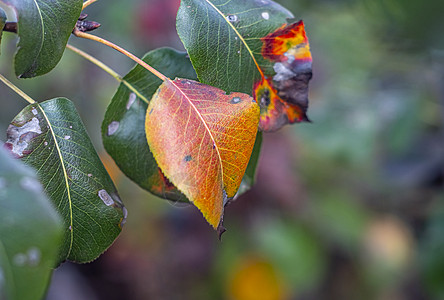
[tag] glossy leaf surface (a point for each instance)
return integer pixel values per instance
(202, 140)
(228, 43)
(44, 27)
(51, 138)
(123, 128)
(30, 232)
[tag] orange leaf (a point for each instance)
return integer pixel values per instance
(202, 140)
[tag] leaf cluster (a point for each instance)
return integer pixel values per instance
(189, 135)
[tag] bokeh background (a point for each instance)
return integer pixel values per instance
(348, 207)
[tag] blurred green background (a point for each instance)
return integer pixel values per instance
(348, 207)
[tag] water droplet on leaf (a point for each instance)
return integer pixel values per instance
(265, 15)
(67, 137)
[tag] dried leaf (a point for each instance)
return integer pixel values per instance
(285, 98)
(202, 140)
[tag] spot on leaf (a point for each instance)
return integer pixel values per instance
(235, 100)
(19, 136)
(284, 98)
(275, 112)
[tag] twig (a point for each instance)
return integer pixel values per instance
(107, 69)
(17, 90)
(87, 3)
(121, 50)
(95, 61)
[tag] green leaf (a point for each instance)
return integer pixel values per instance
(250, 173)
(44, 27)
(123, 128)
(2, 22)
(223, 39)
(51, 138)
(30, 233)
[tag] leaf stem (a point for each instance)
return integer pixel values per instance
(88, 2)
(107, 70)
(16, 89)
(121, 50)
(95, 61)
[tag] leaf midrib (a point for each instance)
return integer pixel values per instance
(43, 29)
(205, 124)
(65, 175)
(239, 35)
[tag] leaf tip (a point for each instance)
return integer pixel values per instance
(220, 230)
